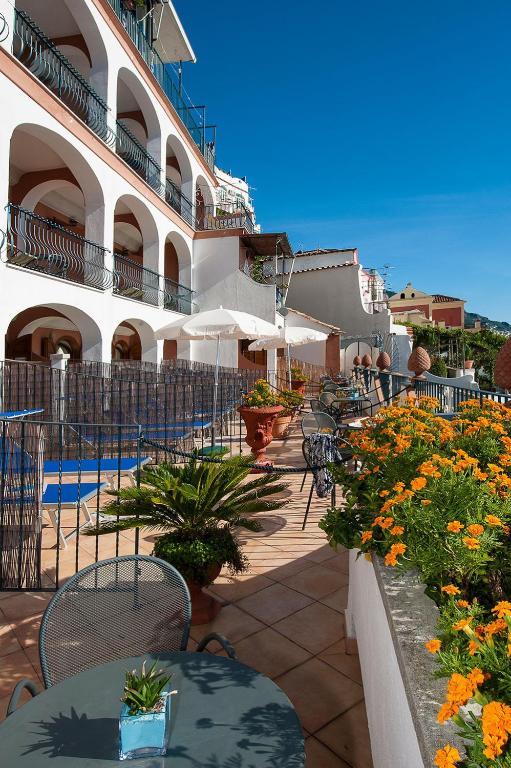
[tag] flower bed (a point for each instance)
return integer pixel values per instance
(434, 497)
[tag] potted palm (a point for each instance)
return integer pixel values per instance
(291, 402)
(196, 507)
(298, 380)
(260, 408)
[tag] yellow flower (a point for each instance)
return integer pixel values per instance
(475, 529)
(447, 757)
(455, 526)
(494, 520)
(471, 543)
(433, 646)
(450, 589)
(502, 609)
(461, 624)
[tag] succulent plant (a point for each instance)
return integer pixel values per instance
(144, 692)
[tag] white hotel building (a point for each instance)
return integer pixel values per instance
(108, 193)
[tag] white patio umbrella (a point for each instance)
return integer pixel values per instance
(217, 324)
(289, 336)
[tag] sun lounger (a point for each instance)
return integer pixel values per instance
(59, 496)
(111, 468)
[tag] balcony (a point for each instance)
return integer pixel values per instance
(134, 281)
(39, 54)
(210, 218)
(163, 75)
(44, 246)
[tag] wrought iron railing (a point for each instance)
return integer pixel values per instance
(137, 157)
(39, 54)
(176, 297)
(44, 246)
(207, 217)
(163, 75)
(135, 281)
(179, 202)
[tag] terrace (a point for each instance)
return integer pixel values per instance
(286, 615)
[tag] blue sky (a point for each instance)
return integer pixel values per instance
(380, 125)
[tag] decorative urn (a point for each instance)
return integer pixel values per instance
(419, 362)
(367, 360)
(356, 360)
(502, 373)
(383, 361)
(259, 425)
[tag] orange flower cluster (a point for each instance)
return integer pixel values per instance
(460, 690)
(394, 552)
(433, 646)
(447, 757)
(496, 728)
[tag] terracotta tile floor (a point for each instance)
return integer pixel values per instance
(285, 617)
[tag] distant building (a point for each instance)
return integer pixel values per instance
(233, 196)
(414, 306)
(331, 285)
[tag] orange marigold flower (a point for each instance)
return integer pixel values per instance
(502, 609)
(433, 646)
(426, 502)
(451, 589)
(461, 624)
(473, 647)
(377, 521)
(494, 627)
(447, 711)
(399, 487)
(447, 757)
(496, 727)
(455, 526)
(494, 521)
(462, 603)
(392, 554)
(418, 483)
(366, 536)
(384, 493)
(397, 530)
(387, 523)
(471, 543)
(475, 529)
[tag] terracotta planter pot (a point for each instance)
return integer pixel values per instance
(259, 425)
(298, 386)
(469, 364)
(204, 607)
(281, 426)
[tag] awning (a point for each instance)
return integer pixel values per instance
(171, 42)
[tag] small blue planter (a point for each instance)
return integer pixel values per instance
(143, 735)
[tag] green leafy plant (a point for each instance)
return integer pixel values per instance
(261, 396)
(298, 375)
(438, 367)
(290, 400)
(144, 691)
(196, 508)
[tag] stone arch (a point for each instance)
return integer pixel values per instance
(178, 260)
(136, 232)
(138, 339)
(41, 163)
(135, 109)
(178, 165)
(35, 332)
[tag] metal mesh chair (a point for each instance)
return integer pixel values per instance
(317, 421)
(117, 608)
(344, 454)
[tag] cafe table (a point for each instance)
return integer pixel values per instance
(224, 714)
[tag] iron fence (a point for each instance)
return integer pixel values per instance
(207, 217)
(179, 202)
(137, 157)
(135, 281)
(44, 246)
(450, 397)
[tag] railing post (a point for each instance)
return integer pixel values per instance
(58, 364)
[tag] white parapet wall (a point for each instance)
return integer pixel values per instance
(391, 619)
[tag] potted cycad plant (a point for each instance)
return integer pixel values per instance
(196, 508)
(145, 714)
(260, 408)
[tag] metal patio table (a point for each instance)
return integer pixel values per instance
(224, 714)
